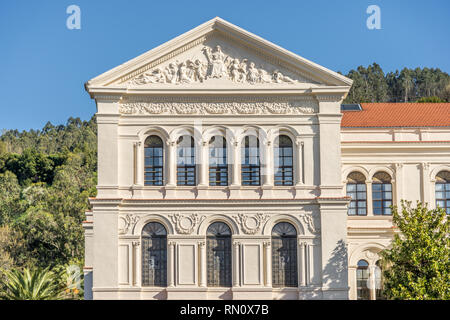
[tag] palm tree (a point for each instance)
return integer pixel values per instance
(38, 284)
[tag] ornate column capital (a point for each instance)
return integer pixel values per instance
(170, 143)
(267, 244)
(299, 141)
(136, 243)
(201, 244)
(425, 165)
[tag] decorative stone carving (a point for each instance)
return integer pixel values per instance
(308, 219)
(251, 224)
(218, 65)
(186, 224)
(127, 223)
(266, 244)
(285, 107)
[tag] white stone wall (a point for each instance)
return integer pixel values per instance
(412, 157)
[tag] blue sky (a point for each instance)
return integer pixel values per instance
(43, 65)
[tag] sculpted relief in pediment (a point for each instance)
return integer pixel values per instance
(212, 63)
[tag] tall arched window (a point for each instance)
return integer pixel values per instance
(154, 255)
(362, 278)
(218, 248)
(381, 193)
(218, 166)
(356, 189)
(154, 161)
(250, 164)
(283, 161)
(443, 190)
(186, 161)
(284, 255)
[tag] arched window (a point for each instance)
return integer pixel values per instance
(362, 279)
(154, 255)
(218, 248)
(283, 161)
(443, 190)
(154, 161)
(186, 161)
(381, 193)
(356, 189)
(379, 281)
(218, 166)
(250, 165)
(284, 255)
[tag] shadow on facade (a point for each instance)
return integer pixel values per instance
(335, 272)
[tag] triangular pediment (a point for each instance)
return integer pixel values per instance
(218, 54)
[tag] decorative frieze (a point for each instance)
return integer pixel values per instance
(251, 224)
(190, 108)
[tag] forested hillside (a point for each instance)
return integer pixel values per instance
(371, 84)
(46, 176)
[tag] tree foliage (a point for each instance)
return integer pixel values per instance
(418, 264)
(46, 178)
(408, 85)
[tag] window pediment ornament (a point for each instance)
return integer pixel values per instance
(185, 224)
(251, 224)
(308, 219)
(213, 64)
(250, 107)
(127, 223)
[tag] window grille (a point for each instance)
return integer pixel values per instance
(218, 247)
(284, 255)
(154, 255)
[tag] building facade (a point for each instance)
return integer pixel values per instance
(227, 170)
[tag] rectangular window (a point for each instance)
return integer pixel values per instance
(357, 205)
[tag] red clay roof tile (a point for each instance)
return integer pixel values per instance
(398, 115)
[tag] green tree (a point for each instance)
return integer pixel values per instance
(418, 264)
(432, 99)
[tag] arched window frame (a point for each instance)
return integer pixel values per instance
(382, 193)
(154, 161)
(442, 190)
(250, 162)
(155, 241)
(186, 163)
(356, 188)
(219, 255)
(284, 245)
(218, 163)
(283, 161)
